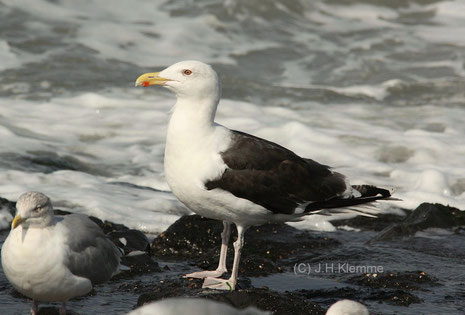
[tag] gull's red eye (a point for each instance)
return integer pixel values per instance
(187, 72)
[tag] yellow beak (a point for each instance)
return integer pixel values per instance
(17, 221)
(151, 79)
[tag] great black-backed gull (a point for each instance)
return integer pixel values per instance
(235, 177)
(50, 259)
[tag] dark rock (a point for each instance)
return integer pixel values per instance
(108, 226)
(409, 280)
(137, 287)
(188, 237)
(429, 215)
(266, 247)
(365, 223)
(264, 299)
(255, 266)
(426, 216)
(130, 240)
(10, 206)
(281, 241)
(336, 294)
(251, 265)
(138, 264)
(174, 287)
(396, 297)
(393, 288)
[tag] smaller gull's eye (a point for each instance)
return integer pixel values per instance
(37, 209)
(187, 72)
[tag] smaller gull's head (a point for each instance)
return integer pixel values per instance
(192, 79)
(33, 209)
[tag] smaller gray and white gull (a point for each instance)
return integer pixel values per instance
(235, 177)
(48, 258)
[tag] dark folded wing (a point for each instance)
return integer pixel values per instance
(275, 177)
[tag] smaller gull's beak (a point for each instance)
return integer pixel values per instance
(17, 221)
(151, 79)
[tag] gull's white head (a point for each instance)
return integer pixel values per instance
(188, 79)
(33, 209)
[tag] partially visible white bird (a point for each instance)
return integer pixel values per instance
(235, 177)
(193, 306)
(49, 258)
(347, 307)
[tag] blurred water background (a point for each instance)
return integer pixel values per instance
(374, 88)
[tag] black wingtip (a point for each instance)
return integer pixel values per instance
(372, 191)
(368, 193)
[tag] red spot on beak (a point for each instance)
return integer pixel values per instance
(145, 83)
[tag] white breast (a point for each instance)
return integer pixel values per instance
(192, 157)
(32, 260)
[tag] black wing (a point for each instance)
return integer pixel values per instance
(275, 177)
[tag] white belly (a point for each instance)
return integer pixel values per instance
(32, 260)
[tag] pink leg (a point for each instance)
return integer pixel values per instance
(35, 307)
(229, 284)
(222, 263)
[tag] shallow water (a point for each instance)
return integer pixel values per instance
(427, 253)
(375, 89)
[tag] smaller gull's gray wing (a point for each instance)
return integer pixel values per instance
(91, 254)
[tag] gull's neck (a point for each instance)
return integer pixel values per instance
(193, 116)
